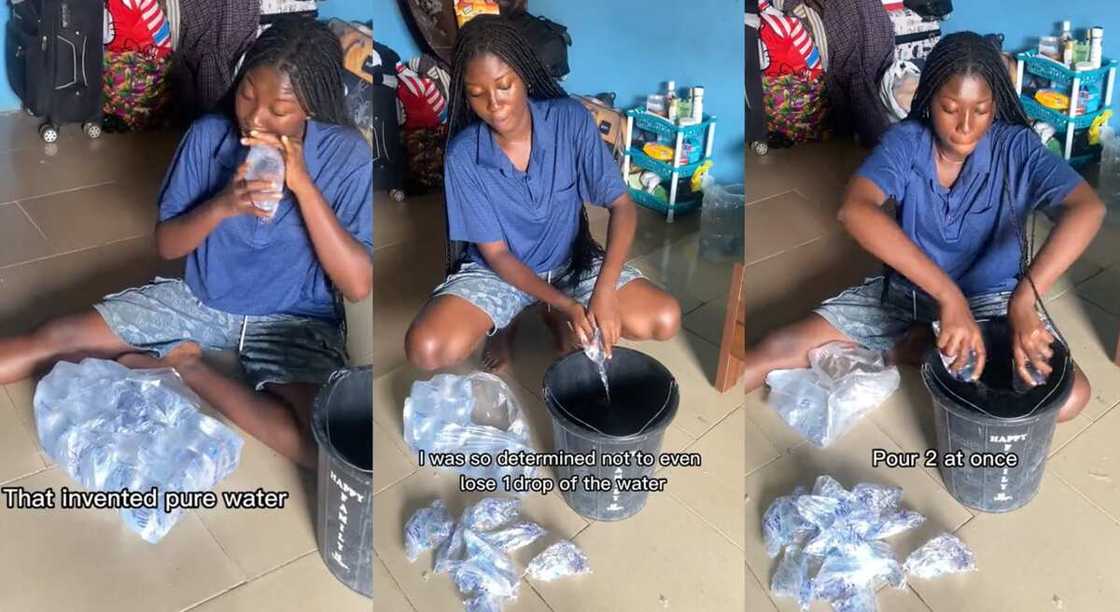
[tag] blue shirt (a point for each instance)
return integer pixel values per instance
(970, 229)
(249, 267)
(535, 212)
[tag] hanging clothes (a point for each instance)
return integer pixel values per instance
(860, 48)
(214, 35)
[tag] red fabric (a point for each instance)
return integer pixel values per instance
(789, 47)
(893, 5)
(134, 25)
(421, 99)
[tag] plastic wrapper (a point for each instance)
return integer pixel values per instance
(427, 529)
(867, 566)
(112, 428)
(843, 384)
(484, 603)
(944, 554)
(858, 600)
(450, 554)
(476, 413)
(782, 525)
(485, 570)
(560, 560)
(880, 499)
(894, 524)
(514, 537)
(490, 513)
(792, 578)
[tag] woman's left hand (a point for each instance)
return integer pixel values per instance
(604, 312)
(1030, 340)
(296, 175)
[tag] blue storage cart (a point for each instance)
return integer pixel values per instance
(671, 172)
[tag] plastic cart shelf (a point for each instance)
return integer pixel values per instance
(671, 172)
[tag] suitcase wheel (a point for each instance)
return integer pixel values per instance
(28, 111)
(93, 130)
(760, 148)
(397, 195)
(49, 133)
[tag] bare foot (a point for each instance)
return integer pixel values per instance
(184, 354)
(564, 338)
(911, 349)
(496, 354)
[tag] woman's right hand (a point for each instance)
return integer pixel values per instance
(960, 334)
(579, 322)
(238, 196)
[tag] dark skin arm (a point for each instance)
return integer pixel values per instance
(1081, 219)
(345, 260)
(863, 217)
(178, 236)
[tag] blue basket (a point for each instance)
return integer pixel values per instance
(652, 202)
(1042, 66)
(666, 129)
(1056, 118)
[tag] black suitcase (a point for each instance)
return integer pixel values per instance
(53, 52)
(388, 150)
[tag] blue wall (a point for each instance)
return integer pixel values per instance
(1023, 21)
(8, 99)
(624, 47)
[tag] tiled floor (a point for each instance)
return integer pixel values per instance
(684, 551)
(1060, 551)
(76, 223)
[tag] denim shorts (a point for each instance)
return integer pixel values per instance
(273, 349)
(862, 314)
(502, 302)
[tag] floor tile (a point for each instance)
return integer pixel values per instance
(662, 557)
(714, 490)
(403, 279)
(759, 449)
(18, 130)
(1091, 464)
(19, 442)
(1103, 290)
(770, 230)
(1058, 549)
(89, 551)
(386, 594)
(392, 464)
(35, 172)
(757, 597)
(707, 321)
(417, 219)
(849, 461)
(262, 540)
(779, 436)
(683, 272)
(1092, 334)
(93, 216)
(653, 232)
(21, 239)
(35, 292)
(304, 584)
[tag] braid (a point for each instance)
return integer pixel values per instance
(967, 53)
(498, 36)
(309, 53)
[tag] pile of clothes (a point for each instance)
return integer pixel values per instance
(852, 65)
(138, 40)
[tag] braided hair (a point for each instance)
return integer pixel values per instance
(967, 53)
(310, 54)
(497, 35)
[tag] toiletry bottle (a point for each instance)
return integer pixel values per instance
(671, 107)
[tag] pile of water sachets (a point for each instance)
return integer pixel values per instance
(832, 547)
(475, 551)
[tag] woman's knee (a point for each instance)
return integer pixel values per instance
(667, 318)
(68, 334)
(429, 349)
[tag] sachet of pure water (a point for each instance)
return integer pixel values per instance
(598, 355)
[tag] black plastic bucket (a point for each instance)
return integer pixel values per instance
(343, 425)
(990, 417)
(643, 401)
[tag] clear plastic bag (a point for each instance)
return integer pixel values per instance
(782, 525)
(427, 529)
(844, 383)
(485, 570)
(560, 560)
(793, 577)
(514, 537)
(722, 216)
(476, 413)
(112, 428)
(868, 565)
(944, 554)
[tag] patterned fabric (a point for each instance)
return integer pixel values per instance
(914, 36)
(860, 47)
(796, 108)
(136, 25)
(811, 19)
(425, 157)
(214, 35)
(420, 97)
(789, 48)
(273, 349)
(134, 91)
(502, 302)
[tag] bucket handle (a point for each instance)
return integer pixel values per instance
(555, 401)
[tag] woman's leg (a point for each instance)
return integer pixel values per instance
(1078, 398)
(789, 348)
(71, 337)
(647, 312)
(447, 330)
(279, 417)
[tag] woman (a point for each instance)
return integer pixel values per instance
(965, 170)
(265, 288)
(522, 160)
